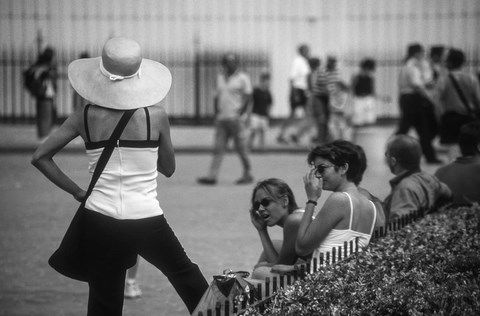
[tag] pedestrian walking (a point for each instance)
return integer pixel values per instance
(232, 108)
(259, 119)
(299, 73)
(363, 88)
(120, 216)
(41, 81)
(416, 106)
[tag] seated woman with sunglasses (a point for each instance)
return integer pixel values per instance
(273, 203)
(346, 214)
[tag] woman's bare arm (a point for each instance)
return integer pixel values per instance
(313, 231)
(42, 159)
(166, 156)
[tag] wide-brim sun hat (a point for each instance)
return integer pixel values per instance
(120, 79)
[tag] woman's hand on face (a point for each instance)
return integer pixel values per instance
(313, 185)
(257, 220)
(80, 195)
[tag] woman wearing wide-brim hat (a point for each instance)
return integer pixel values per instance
(121, 216)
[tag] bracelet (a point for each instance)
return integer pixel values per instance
(312, 202)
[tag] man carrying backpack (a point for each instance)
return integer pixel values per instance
(40, 81)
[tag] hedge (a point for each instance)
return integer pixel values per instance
(431, 266)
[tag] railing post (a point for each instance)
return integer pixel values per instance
(282, 281)
(315, 264)
(227, 308)
(322, 259)
(339, 253)
(274, 285)
(267, 286)
(345, 249)
(218, 309)
(259, 291)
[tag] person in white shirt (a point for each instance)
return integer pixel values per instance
(299, 75)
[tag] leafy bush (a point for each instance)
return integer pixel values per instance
(429, 267)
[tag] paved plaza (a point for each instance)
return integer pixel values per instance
(212, 222)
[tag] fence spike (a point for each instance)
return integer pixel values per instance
(302, 271)
(227, 308)
(267, 286)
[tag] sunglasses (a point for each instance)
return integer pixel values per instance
(320, 169)
(265, 202)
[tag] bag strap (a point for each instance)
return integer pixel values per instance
(107, 152)
(461, 95)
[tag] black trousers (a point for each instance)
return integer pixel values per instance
(418, 112)
(112, 246)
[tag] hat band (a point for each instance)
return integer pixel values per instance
(114, 77)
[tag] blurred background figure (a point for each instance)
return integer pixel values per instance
(459, 95)
(298, 88)
(363, 88)
(259, 119)
(41, 82)
(313, 110)
(320, 89)
(341, 112)
(77, 99)
(416, 105)
(232, 106)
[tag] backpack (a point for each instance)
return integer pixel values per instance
(33, 82)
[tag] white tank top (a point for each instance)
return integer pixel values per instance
(337, 237)
(127, 188)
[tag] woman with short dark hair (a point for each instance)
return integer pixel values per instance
(347, 213)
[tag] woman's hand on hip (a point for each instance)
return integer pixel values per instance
(80, 195)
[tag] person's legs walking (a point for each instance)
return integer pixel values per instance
(160, 247)
(238, 134)
(221, 141)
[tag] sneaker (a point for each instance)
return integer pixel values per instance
(132, 290)
(244, 180)
(207, 181)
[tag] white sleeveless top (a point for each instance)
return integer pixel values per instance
(337, 237)
(127, 188)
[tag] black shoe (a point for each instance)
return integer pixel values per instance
(244, 180)
(434, 161)
(281, 140)
(207, 181)
(294, 139)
